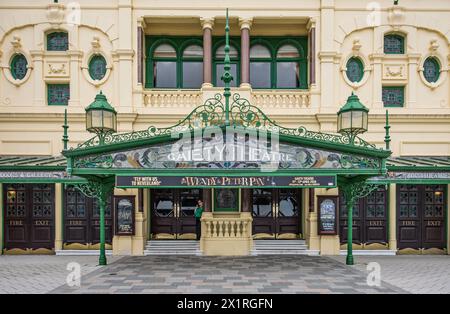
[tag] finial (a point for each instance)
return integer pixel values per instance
(65, 138)
(387, 137)
(226, 77)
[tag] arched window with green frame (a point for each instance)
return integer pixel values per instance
(192, 66)
(260, 66)
(279, 62)
(174, 62)
(394, 44)
(164, 59)
(218, 66)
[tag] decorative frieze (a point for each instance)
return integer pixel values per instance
(397, 71)
(57, 69)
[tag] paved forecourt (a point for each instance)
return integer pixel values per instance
(253, 274)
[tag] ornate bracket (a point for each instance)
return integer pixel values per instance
(356, 190)
(96, 189)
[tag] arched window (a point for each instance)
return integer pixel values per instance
(19, 66)
(355, 70)
(192, 66)
(431, 69)
(165, 66)
(57, 41)
(394, 44)
(288, 67)
(219, 57)
(97, 67)
(260, 67)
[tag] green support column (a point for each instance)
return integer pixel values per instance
(102, 201)
(349, 259)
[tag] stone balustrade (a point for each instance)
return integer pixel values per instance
(278, 99)
(172, 98)
(227, 228)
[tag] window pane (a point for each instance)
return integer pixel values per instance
(431, 70)
(259, 51)
(260, 74)
(393, 96)
(97, 67)
(58, 41)
(288, 51)
(165, 74)
(287, 74)
(393, 44)
(58, 94)
(193, 51)
(219, 73)
(164, 51)
(354, 70)
(19, 67)
(192, 74)
(220, 53)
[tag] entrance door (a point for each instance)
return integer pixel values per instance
(421, 216)
(369, 219)
(172, 213)
(29, 216)
(82, 218)
(276, 213)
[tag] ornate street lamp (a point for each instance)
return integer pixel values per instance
(101, 118)
(352, 118)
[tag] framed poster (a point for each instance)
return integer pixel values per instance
(124, 214)
(327, 216)
(226, 200)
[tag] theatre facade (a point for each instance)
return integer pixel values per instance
(290, 120)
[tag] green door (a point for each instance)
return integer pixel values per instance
(226, 200)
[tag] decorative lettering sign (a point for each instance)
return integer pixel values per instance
(327, 215)
(407, 176)
(226, 181)
(124, 215)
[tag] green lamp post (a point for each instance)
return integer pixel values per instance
(352, 118)
(101, 118)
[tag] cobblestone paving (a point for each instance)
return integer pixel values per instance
(198, 275)
(40, 273)
(413, 273)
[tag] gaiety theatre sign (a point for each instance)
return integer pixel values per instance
(225, 181)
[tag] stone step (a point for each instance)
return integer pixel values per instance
(285, 252)
(272, 247)
(370, 252)
(81, 252)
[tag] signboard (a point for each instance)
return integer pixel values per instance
(413, 177)
(124, 215)
(226, 181)
(327, 215)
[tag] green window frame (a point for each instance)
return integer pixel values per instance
(57, 41)
(355, 70)
(394, 44)
(273, 44)
(218, 62)
(179, 44)
(19, 66)
(97, 67)
(431, 69)
(234, 207)
(393, 96)
(58, 94)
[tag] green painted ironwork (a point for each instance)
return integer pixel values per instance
(218, 60)
(353, 190)
(212, 113)
(65, 126)
(387, 137)
(226, 77)
(19, 66)
(393, 96)
(100, 190)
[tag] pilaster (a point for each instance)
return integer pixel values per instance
(393, 217)
(245, 25)
(38, 82)
(207, 25)
(59, 208)
(75, 66)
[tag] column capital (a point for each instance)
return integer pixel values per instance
(207, 22)
(311, 24)
(141, 22)
(245, 22)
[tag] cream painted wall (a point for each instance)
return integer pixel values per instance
(29, 126)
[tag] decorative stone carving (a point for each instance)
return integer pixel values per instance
(356, 46)
(56, 69)
(395, 72)
(434, 46)
(95, 43)
(396, 16)
(56, 13)
(16, 43)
